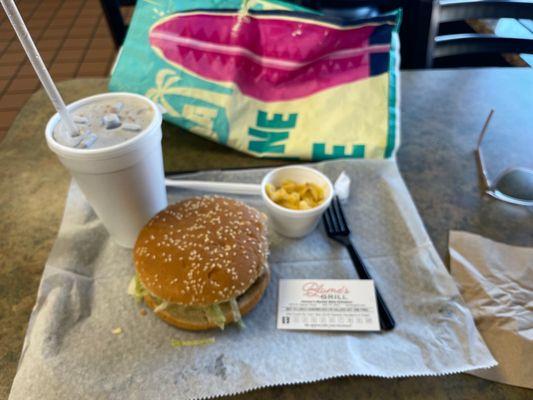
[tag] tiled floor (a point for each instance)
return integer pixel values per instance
(74, 41)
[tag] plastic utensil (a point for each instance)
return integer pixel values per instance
(216, 187)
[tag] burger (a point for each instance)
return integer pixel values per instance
(202, 263)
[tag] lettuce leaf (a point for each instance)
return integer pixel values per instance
(161, 306)
(237, 318)
(215, 315)
(136, 289)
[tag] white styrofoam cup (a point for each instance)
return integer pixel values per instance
(295, 223)
(124, 183)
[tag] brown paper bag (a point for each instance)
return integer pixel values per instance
(496, 281)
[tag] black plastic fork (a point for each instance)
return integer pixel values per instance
(337, 229)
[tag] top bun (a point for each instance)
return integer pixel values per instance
(202, 251)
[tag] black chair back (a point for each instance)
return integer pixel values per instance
(445, 11)
(115, 20)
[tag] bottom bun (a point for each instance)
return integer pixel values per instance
(195, 319)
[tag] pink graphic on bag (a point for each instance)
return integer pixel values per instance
(270, 58)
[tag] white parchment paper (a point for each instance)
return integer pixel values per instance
(70, 352)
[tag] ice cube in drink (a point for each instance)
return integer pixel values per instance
(106, 122)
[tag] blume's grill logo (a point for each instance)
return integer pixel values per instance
(327, 304)
(319, 290)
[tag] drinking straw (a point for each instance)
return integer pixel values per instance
(38, 65)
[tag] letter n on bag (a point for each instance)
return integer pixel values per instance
(273, 138)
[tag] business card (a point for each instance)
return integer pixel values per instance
(327, 305)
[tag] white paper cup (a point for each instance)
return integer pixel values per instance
(124, 183)
(295, 223)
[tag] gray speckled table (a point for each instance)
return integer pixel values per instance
(442, 113)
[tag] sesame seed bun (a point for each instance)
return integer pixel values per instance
(196, 320)
(202, 251)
